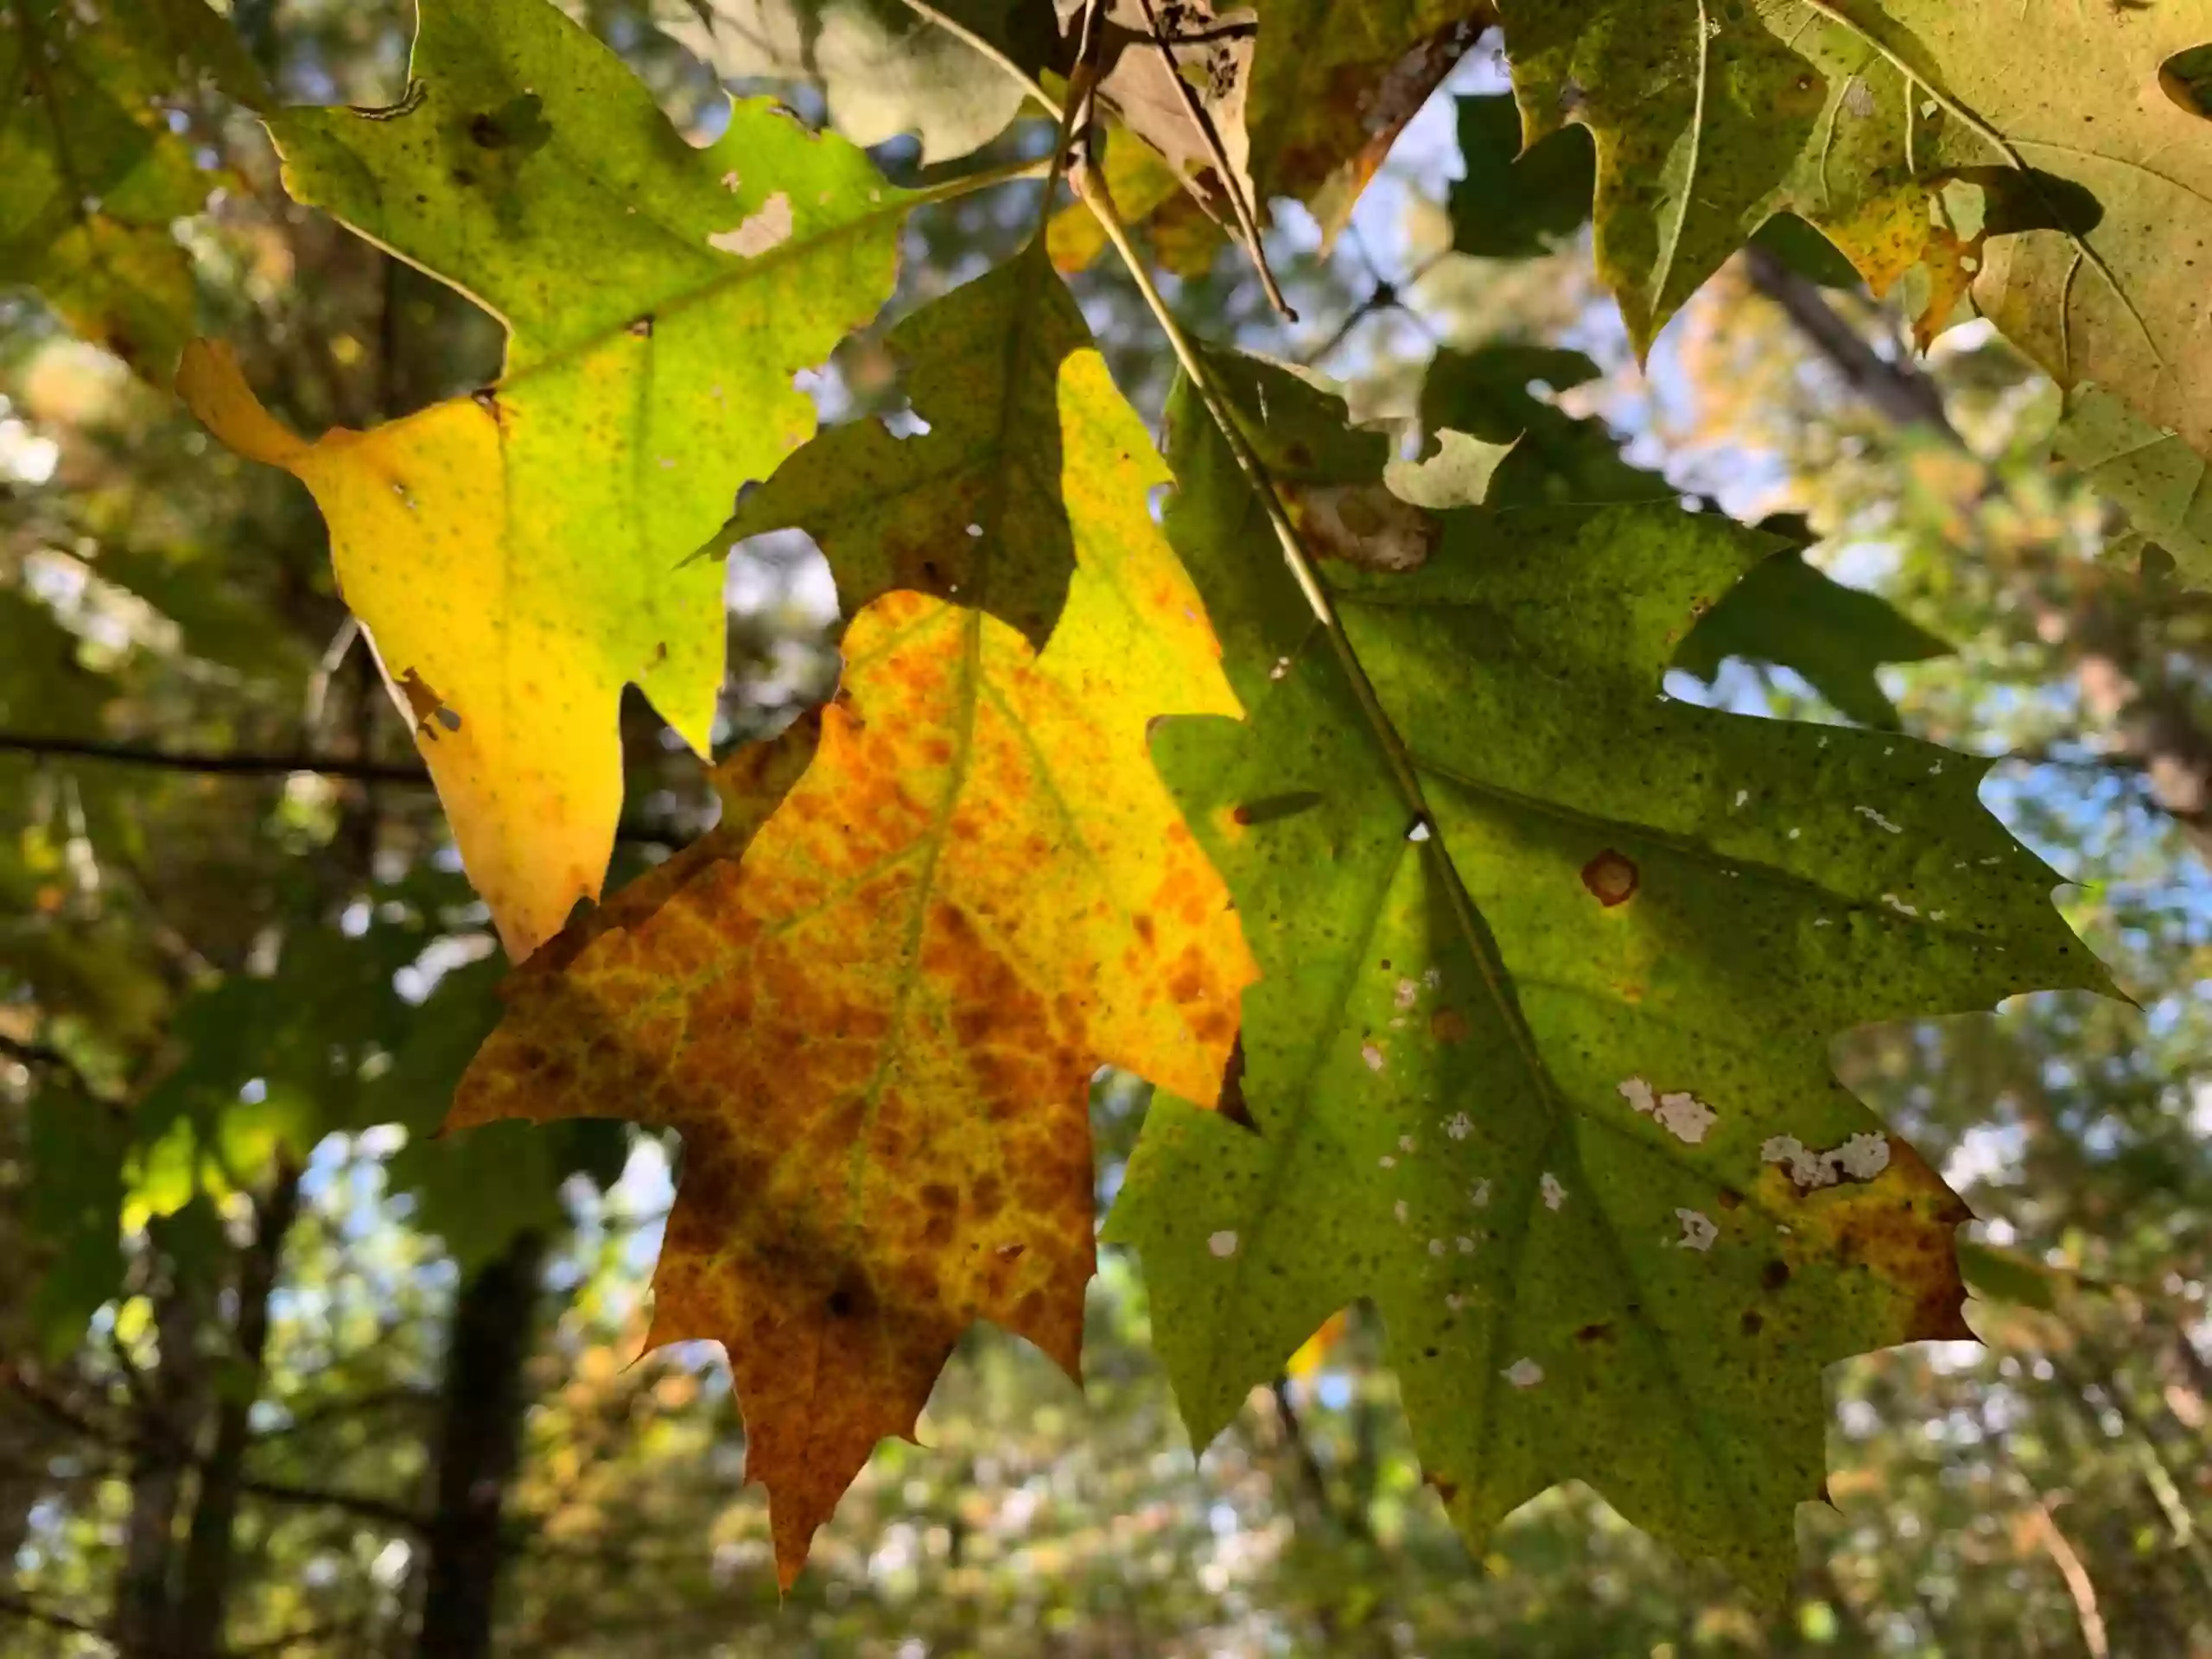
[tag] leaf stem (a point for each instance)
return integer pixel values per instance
(1403, 776)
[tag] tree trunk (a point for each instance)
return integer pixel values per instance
(479, 1445)
(168, 1417)
(208, 1554)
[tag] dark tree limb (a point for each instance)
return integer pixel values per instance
(213, 762)
(479, 1447)
(1894, 388)
(209, 1551)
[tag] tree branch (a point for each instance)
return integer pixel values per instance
(214, 762)
(1898, 389)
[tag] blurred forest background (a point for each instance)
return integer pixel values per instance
(363, 1394)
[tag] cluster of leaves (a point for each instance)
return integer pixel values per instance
(1339, 802)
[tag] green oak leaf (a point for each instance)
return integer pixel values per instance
(1544, 1073)
(975, 509)
(1512, 204)
(1785, 611)
(1788, 613)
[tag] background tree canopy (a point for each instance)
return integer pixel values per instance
(1248, 827)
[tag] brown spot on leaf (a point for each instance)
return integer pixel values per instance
(1448, 1025)
(1612, 877)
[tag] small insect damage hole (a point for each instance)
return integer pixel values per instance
(1612, 877)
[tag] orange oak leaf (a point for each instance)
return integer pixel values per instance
(871, 1001)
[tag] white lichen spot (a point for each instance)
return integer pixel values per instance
(1479, 1195)
(1554, 1194)
(1685, 1116)
(1861, 1158)
(770, 227)
(1372, 1055)
(1822, 921)
(729, 180)
(1794, 833)
(1455, 1300)
(1935, 770)
(1436, 1247)
(1460, 1126)
(1223, 1244)
(1406, 1143)
(1281, 668)
(1697, 1230)
(1406, 993)
(1822, 744)
(1864, 1156)
(1419, 831)
(1742, 796)
(1399, 1210)
(1466, 1246)
(1937, 915)
(1432, 978)
(1899, 904)
(1398, 1024)
(1858, 98)
(1875, 817)
(1523, 1373)
(1388, 1162)
(1681, 1114)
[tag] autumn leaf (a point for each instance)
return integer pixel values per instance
(884, 68)
(1866, 119)
(1543, 1070)
(2164, 484)
(1331, 87)
(520, 556)
(871, 1001)
(95, 177)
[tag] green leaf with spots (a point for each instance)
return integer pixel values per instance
(94, 176)
(519, 557)
(1545, 1072)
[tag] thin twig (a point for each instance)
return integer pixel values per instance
(17, 1607)
(213, 762)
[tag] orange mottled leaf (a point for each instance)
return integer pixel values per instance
(872, 1000)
